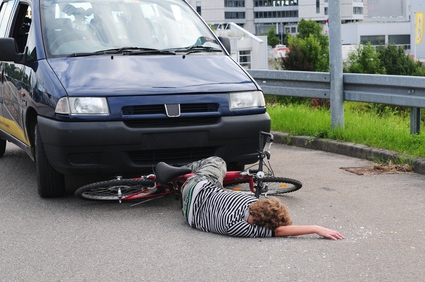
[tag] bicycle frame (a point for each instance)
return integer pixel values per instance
(174, 187)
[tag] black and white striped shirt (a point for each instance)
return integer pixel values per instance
(225, 212)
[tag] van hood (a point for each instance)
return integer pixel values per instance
(140, 75)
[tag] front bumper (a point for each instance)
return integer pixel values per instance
(110, 147)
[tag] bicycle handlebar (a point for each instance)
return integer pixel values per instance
(261, 141)
(268, 134)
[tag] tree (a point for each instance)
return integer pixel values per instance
(309, 50)
(383, 60)
(296, 60)
(307, 28)
(396, 62)
(272, 39)
(364, 59)
(305, 54)
(389, 59)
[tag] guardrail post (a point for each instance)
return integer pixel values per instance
(335, 60)
(415, 120)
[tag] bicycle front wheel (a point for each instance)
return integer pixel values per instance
(116, 189)
(272, 186)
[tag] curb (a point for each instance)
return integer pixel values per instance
(349, 149)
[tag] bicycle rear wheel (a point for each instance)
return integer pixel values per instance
(115, 189)
(272, 186)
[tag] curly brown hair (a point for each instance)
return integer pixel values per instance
(269, 212)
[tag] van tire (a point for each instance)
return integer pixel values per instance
(50, 183)
(2, 147)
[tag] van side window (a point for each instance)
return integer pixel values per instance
(5, 9)
(21, 26)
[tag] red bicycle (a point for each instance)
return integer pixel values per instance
(169, 179)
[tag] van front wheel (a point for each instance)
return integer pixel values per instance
(50, 182)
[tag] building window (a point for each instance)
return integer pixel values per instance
(358, 10)
(234, 15)
(245, 59)
(198, 7)
(276, 14)
(400, 39)
(234, 3)
(275, 3)
(373, 39)
(317, 6)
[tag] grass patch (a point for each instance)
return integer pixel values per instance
(387, 129)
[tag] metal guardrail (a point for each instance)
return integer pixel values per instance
(406, 91)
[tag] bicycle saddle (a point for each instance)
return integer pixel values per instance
(165, 172)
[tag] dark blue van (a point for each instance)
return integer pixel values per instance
(109, 87)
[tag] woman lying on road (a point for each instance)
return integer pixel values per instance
(209, 207)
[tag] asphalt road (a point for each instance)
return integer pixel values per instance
(67, 239)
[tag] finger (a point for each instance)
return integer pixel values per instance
(335, 236)
(338, 235)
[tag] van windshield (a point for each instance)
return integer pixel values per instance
(128, 26)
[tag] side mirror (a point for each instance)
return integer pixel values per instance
(9, 50)
(226, 42)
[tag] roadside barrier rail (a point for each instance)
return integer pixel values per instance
(406, 91)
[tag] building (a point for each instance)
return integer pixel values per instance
(377, 33)
(247, 21)
(243, 44)
(378, 9)
(376, 21)
(385, 22)
(258, 16)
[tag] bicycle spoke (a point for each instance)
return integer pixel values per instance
(272, 186)
(117, 189)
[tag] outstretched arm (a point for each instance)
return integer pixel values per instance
(294, 230)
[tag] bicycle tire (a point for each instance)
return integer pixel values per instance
(275, 186)
(108, 190)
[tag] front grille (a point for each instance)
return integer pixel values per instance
(143, 110)
(160, 109)
(171, 156)
(155, 115)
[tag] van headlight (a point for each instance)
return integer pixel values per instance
(244, 100)
(82, 106)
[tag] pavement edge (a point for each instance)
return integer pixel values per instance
(349, 149)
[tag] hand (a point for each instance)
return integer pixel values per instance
(295, 230)
(329, 233)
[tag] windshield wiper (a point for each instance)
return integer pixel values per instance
(198, 48)
(124, 51)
